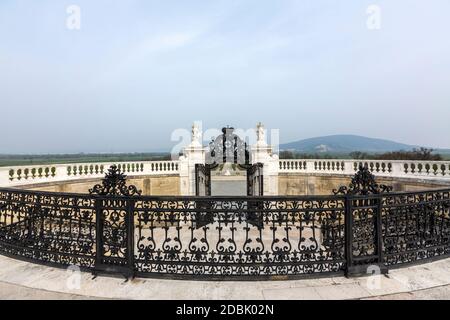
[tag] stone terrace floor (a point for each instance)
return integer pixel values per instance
(22, 280)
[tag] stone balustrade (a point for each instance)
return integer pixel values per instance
(387, 168)
(22, 175)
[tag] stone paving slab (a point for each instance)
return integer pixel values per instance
(436, 293)
(16, 292)
(19, 279)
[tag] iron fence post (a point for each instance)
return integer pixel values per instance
(197, 180)
(130, 239)
(348, 234)
(98, 231)
(379, 230)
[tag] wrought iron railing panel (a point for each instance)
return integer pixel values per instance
(113, 231)
(53, 228)
(416, 226)
(289, 240)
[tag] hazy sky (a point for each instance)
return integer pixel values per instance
(137, 70)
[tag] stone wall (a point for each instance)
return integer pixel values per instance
(288, 184)
(160, 185)
(307, 184)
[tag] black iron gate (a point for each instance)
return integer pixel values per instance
(114, 212)
(255, 180)
(202, 179)
(203, 188)
(115, 236)
(363, 230)
(364, 235)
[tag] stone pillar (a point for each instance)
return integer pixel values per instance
(194, 153)
(263, 153)
(4, 177)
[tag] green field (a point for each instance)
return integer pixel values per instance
(18, 160)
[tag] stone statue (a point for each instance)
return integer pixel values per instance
(260, 134)
(196, 135)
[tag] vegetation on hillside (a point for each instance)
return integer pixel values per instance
(302, 155)
(416, 154)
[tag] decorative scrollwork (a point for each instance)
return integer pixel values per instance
(285, 238)
(363, 183)
(114, 184)
(228, 147)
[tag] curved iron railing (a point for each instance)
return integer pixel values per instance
(227, 238)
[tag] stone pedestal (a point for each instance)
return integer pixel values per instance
(192, 155)
(263, 153)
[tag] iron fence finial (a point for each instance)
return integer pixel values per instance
(114, 184)
(363, 183)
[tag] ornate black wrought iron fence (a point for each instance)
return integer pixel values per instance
(287, 241)
(416, 226)
(227, 238)
(51, 228)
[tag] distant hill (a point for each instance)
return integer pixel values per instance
(345, 144)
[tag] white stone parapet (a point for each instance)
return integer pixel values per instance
(23, 175)
(385, 168)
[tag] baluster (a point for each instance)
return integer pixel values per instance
(413, 168)
(435, 169)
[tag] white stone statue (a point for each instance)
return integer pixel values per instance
(260, 134)
(196, 136)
